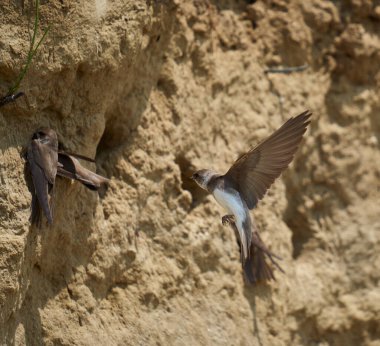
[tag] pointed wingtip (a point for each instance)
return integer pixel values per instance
(303, 118)
(304, 115)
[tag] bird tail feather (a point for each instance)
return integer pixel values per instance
(256, 267)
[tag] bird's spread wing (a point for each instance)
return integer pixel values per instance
(255, 171)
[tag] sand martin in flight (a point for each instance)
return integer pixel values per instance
(246, 182)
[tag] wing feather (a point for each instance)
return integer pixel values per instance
(255, 171)
(72, 169)
(46, 158)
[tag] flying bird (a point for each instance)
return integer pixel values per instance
(245, 184)
(42, 156)
(45, 162)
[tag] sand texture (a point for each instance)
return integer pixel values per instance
(154, 89)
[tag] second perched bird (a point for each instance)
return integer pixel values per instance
(69, 167)
(246, 182)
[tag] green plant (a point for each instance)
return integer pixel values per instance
(32, 50)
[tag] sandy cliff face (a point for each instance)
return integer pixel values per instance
(154, 90)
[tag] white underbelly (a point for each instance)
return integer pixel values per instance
(232, 203)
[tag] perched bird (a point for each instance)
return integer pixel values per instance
(246, 182)
(45, 162)
(42, 156)
(69, 167)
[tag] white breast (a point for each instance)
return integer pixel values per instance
(231, 202)
(234, 205)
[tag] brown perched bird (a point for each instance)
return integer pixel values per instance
(69, 167)
(42, 156)
(246, 182)
(45, 162)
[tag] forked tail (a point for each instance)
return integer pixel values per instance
(256, 268)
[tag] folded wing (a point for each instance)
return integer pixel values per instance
(69, 167)
(43, 167)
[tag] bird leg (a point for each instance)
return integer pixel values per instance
(228, 220)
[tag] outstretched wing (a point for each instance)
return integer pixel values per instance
(255, 171)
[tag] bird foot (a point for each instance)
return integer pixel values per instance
(228, 220)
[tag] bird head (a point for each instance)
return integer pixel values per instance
(45, 135)
(203, 177)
